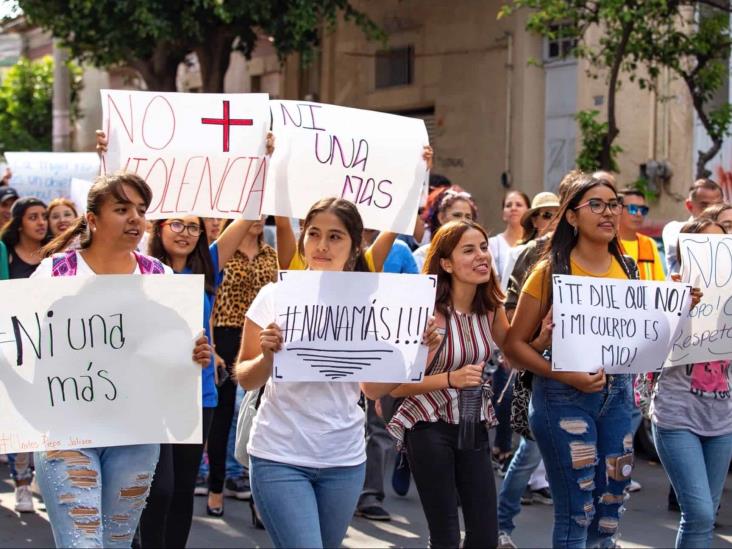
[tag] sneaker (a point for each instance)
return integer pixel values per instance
(634, 486)
(237, 488)
(201, 488)
(24, 500)
(504, 468)
(401, 476)
(527, 497)
(373, 512)
(543, 496)
(505, 541)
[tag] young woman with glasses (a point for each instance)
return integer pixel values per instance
(182, 244)
(581, 421)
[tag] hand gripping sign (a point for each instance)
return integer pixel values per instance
(201, 153)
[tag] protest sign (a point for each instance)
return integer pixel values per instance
(372, 159)
(99, 361)
(623, 326)
(706, 263)
(352, 326)
(201, 153)
(78, 193)
(48, 175)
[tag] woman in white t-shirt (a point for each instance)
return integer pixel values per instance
(307, 449)
(514, 204)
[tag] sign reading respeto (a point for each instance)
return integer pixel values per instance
(202, 154)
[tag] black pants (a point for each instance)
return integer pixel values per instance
(166, 520)
(441, 472)
(227, 346)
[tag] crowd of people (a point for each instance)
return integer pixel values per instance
(318, 451)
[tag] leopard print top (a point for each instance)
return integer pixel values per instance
(242, 281)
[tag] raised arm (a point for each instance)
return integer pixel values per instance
(286, 243)
(230, 240)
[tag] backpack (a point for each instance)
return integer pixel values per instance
(66, 263)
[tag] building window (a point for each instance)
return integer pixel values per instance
(395, 67)
(560, 46)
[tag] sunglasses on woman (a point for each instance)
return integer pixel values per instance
(544, 215)
(178, 227)
(635, 209)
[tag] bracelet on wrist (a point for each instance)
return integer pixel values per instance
(449, 384)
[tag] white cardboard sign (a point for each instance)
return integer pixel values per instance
(201, 153)
(372, 159)
(79, 192)
(623, 326)
(48, 175)
(706, 263)
(346, 326)
(99, 361)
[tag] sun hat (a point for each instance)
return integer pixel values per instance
(541, 200)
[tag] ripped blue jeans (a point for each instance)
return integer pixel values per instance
(94, 496)
(587, 445)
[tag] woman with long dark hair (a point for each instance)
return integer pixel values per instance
(23, 237)
(81, 487)
(447, 449)
(182, 244)
(306, 447)
(581, 421)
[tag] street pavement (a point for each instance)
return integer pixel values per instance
(646, 522)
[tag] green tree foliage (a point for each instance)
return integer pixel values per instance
(638, 38)
(26, 96)
(154, 36)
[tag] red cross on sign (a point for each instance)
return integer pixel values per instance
(225, 122)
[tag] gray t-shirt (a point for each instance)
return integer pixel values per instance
(694, 397)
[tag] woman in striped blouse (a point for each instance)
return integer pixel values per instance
(443, 421)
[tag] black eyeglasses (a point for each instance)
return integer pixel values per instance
(635, 209)
(598, 206)
(178, 227)
(544, 215)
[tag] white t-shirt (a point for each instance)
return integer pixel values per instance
(499, 250)
(306, 424)
(671, 243)
(419, 255)
(45, 268)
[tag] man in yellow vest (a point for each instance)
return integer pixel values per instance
(639, 246)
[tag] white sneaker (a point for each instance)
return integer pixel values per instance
(634, 486)
(24, 500)
(505, 541)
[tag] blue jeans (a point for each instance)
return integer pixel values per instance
(21, 467)
(304, 506)
(697, 467)
(94, 496)
(503, 437)
(587, 446)
(523, 464)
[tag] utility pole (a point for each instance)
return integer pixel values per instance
(61, 99)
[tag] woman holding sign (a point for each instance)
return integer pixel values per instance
(307, 446)
(94, 496)
(444, 420)
(581, 421)
(691, 412)
(182, 244)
